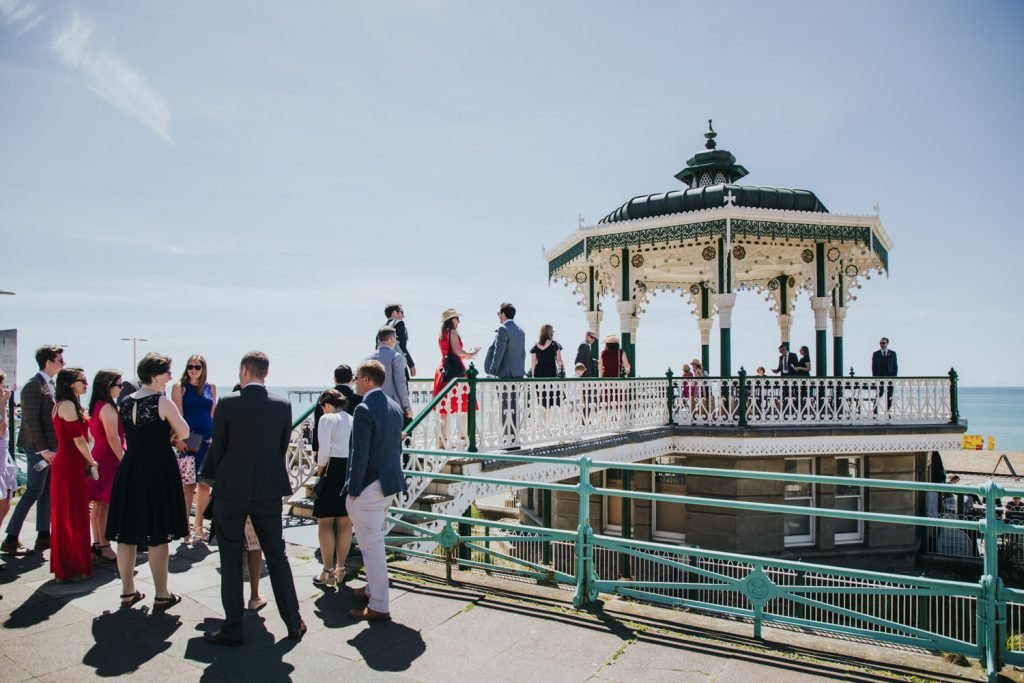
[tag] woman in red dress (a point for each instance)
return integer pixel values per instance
(451, 344)
(70, 554)
(107, 450)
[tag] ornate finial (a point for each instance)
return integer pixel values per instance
(729, 199)
(710, 135)
(579, 221)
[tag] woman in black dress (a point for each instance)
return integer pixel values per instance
(547, 361)
(334, 528)
(147, 504)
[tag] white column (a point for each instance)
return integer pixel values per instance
(785, 326)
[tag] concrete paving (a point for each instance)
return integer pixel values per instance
(480, 628)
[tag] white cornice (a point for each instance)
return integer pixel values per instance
(733, 212)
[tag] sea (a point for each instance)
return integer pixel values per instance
(989, 411)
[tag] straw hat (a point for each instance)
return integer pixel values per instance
(611, 339)
(449, 313)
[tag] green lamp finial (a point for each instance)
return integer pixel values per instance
(710, 135)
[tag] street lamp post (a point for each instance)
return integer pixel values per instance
(134, 341)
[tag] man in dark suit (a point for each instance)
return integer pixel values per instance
(37, 438)
(506, 358)
(787, 361)
(883, 364)
(374, 477)
(251, 430)
(584, 355)
(395, 315)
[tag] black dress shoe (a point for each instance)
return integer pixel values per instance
(15, 548)
(299, 632)
(218, 638)
(43, 543)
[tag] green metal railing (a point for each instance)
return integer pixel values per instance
(762, 589)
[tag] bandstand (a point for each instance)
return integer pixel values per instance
(715, 238)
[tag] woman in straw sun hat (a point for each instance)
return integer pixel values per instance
(453, 357)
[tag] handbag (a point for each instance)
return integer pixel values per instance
(187, 468)
(451, 367)
(318, 487)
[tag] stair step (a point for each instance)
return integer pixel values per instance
(300, 507)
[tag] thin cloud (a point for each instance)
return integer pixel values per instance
(164, 248)
(24, 15)
(108, 76)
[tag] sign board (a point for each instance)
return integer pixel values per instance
(973, 442)
(9, 356)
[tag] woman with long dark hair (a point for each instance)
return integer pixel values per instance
(195, 399)
(546, 362)
(453, 357)
(334, 528)
(107, 451)
(70, 559)
(147, 506)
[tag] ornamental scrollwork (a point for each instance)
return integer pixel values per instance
(739, 252)
(807, 255)
(614, 260)
(637, 260)
(709, 253)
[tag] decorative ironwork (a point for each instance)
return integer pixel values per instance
(801, 231)
(581, 277)
(833, 254)
(883, 254)
(614, 260)
(641, 287)
(637, 260)
(807, 255)
(851, 270)
(792, 281)
(739, 252)
(773, 284)
(573, 252)
(671, 233)
(695, 289)
(709, 253)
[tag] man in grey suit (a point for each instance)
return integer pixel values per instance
(374, 477)
(506, 358)
(396, 382)
(39, 441)
(251, 431)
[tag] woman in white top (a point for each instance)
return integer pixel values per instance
(335, 528)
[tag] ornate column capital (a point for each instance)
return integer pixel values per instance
(821, 305)
(705, 324)
(785, 325)
(627, 317)
(725, 303)
(594, 321)
(838, 315)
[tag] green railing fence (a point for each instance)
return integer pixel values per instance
(987, 621)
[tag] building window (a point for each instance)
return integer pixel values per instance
(850, 498)
(799, 529)
(613, 504)
(669, 523)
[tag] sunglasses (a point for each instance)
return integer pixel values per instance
(194, 367)
(82, 380)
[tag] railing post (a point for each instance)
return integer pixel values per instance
(546, 496)
(627, 521)
(670, 397)
(465, 530)
(471, 374)
(743, 397)
(989, 631)
(585, 591)
(954, 405)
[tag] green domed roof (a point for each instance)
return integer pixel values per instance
(710, 175)
(713, 197)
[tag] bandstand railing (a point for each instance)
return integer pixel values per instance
(983, 619)
(472, 413)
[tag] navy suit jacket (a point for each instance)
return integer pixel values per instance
(376, 449)
(251, 431)
(507, 355)
(884, 366)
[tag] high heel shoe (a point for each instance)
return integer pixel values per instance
(326, 579)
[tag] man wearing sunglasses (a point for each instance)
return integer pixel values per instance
(883, 364)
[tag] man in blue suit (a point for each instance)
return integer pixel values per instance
(506, 358)
(374, 477)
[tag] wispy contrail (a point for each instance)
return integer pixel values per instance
(24, 15)
(108, 76)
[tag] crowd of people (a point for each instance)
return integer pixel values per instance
(140, 469)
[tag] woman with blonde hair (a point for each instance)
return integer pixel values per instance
(195, 399)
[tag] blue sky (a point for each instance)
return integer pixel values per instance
(218, 177)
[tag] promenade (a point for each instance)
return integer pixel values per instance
(483, 628)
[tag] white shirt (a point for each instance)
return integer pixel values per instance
(333, 431)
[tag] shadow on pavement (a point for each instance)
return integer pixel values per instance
(262, 659)
(388, 646)
(35, 610)
(127, 639)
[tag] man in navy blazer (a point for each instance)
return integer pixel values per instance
(506, 358)
(374, 477)
(883, 364)
(251, 431)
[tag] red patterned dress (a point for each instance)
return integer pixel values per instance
(70, 535)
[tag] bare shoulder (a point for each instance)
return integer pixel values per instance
(66, 411)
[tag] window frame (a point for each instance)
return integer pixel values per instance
(656, 534)
(850, 537)
(802, 540)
